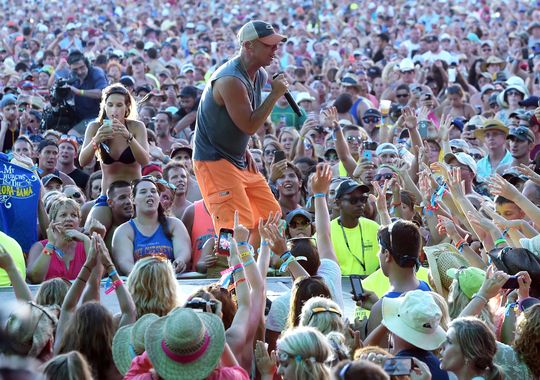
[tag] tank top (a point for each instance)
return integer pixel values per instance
(216, 135)
(57, 267)
(201, 231)
(155, 245)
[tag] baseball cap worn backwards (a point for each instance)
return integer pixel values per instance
(260, 30)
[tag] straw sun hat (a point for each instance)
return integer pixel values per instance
(185, 344)
(128, 342)
(442, 257)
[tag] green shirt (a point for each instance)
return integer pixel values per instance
(291, 118)
(356, 248)
(14, 249)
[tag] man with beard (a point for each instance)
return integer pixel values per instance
(288, 186)
(48, 158)
(68, 146)
(354, 237)
(119, 200)
(163, 122)
(520, 142)
(176, 174)
(9, 122)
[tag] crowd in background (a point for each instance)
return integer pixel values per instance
(412, 168)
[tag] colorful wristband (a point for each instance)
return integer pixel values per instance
(319, 195)
(500, 241)
(249, 262)
(286, 255)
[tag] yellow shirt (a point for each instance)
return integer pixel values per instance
(356, 248)
(379, 284)
(14, 250)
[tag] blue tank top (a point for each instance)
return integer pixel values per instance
(156, 245)
(216, 135)
(423, 286)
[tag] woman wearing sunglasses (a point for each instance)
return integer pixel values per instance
(150, 232)
(119, 141)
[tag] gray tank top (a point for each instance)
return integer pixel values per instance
(216, 135)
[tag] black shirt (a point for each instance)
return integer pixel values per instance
(80, 178)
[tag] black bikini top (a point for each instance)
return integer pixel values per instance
(126, 157)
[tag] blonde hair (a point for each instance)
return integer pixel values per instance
(49, 197)
(129, 101)
(60, 202)
(323, 314)
(457, 301)
(441, 302)
(52, 292)
(148, 275)
(478, 344)
(30, 327)
(70, 366)
(308, 349)
(527, 343)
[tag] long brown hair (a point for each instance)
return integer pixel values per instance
(303, 289)
(90, 332)
(128, 100)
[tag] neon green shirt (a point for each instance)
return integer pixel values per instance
(356, 248)
(14, 249)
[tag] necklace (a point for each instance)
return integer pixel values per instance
(361, 262)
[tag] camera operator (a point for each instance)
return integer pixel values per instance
(90, 80)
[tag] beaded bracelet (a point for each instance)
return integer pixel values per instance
(476, 295)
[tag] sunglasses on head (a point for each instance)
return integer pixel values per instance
(371, 119)
(75, 195)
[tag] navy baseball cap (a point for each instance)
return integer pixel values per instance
(348, 186)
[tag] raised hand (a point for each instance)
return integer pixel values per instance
(409, 118)
(6, 261)
(499, 186)
(330, 116)
(379, 195)
(273, 219)
(241, 233)
(266, 364)
(528, 172)
(321, 179)
(276, 240)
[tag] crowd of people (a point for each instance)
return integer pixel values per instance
(143, 143)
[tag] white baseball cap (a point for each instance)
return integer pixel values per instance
(260, 30)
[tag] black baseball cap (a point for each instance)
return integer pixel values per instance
(348, 186)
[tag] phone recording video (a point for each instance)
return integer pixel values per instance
(224, 242)
(398, 366)
(511, 283)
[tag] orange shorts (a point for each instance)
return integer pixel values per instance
(225, 188)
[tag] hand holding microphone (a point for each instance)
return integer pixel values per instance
(279, 80)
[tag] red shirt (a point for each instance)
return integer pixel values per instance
(57, 267)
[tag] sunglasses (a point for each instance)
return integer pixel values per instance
(486, 49)
(68, 137)
(513, 93)
(407, 72)
(477, 156)
(155, 181)
(75, 195)
(356, 200)
(301, 223)
(269, 152)
(402, 95)
(308, 145)
(371, 119)
(354, 138)
(380, 177)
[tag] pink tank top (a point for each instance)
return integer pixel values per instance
(201, 231)
(57, 267)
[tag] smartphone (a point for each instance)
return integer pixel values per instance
(200, 304)
(423, 129)
(512, 283)
(224, 242)
(356, 285)
(451, 75)
(398, 366)
(279, 156)
(369, 145)
(525, 53)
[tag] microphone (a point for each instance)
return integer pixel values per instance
(290, 99)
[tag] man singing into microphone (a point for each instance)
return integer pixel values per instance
(230, 111)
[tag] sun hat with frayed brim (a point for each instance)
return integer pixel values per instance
(489, 125)
(492, 60)
(414, 318)
(128, 342)
(442, 257)
(185, 343)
